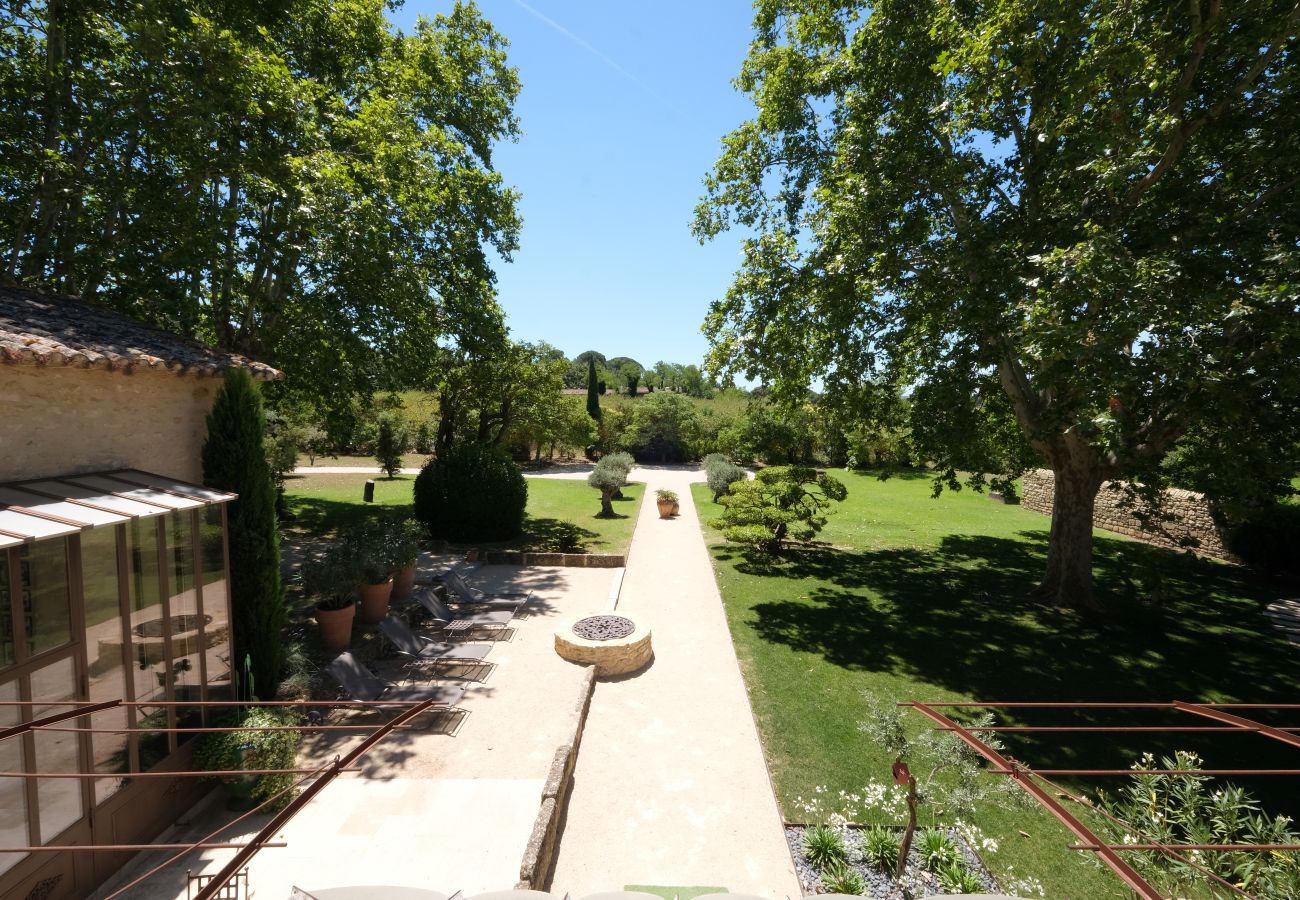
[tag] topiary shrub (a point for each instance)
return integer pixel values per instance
(721, 476)
(1267, 540)
(471, 492)
(781, 504)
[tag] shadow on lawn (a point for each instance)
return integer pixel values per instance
(959, 617)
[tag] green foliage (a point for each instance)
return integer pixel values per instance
(957, 878)
(840, 878)
(471, 492)
(332, 580)
(881, 847)
(281, 444)
(234, 460)
(621, 461)
(247, 749)
(593, 394)
(390, 445)
(722, 474)
(780, 504)
(665, 494)
(601, 387)
(992, 207)
(608, 476)
(424, 435)
(1269, 539)
(511, 393)
(1190, 809)
(296, 179)
(823, 845)
(774, 435)
(950, 776)
(937, 848)
(662, 427)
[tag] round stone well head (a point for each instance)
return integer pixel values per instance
(615, 643)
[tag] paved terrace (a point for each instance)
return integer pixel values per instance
(430, 810)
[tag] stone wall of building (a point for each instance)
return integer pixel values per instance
(1188, 511)
(58, 421)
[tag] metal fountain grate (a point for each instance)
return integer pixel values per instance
(603, 628)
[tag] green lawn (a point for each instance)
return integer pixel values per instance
(926, 599)
(561, 514)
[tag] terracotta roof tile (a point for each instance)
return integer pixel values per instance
(38, 329)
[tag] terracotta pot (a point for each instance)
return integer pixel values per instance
(471, 556)
(677, 508)
(374, 601)
(665, 508)
(404, 582)
(336, 626)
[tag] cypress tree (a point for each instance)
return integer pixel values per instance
(593, 392)
(233, 460)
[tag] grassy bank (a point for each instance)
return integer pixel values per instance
(915, 598)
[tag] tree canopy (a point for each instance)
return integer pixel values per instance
(1074, 225)
(295, 180)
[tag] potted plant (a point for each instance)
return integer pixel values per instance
(667, 503)
(403, 550)
(250, 749)
(369, 546)
(333, 582)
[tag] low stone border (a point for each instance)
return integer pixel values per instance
(573, 560)
(539, 855)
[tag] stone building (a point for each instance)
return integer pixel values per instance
(82, 388)
(113, 575)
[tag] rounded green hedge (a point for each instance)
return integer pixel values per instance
(471, 492)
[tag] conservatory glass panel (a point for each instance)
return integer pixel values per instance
(56, 751)
(99, 574)
(216, 632)
(47, 604)
(13, 798)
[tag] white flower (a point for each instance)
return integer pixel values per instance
(1042, 138)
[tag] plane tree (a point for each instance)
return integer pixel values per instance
(1075, 223)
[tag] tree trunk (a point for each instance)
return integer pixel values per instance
(606, 507)
(1068, 579)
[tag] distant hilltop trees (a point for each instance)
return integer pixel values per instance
(623, 374)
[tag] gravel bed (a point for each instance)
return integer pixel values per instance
(881, 885)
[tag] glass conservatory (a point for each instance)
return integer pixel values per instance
(113, 586)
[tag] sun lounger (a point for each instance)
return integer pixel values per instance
(461, 592)
(359, 683)
(445, 618)
(422, 651)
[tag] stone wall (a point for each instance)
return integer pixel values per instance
(1189, 512)
(539, 854)
(59, 421)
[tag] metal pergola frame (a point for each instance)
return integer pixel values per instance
(1037, 785)
(311, 780)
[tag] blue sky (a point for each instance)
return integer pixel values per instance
(623, 109)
